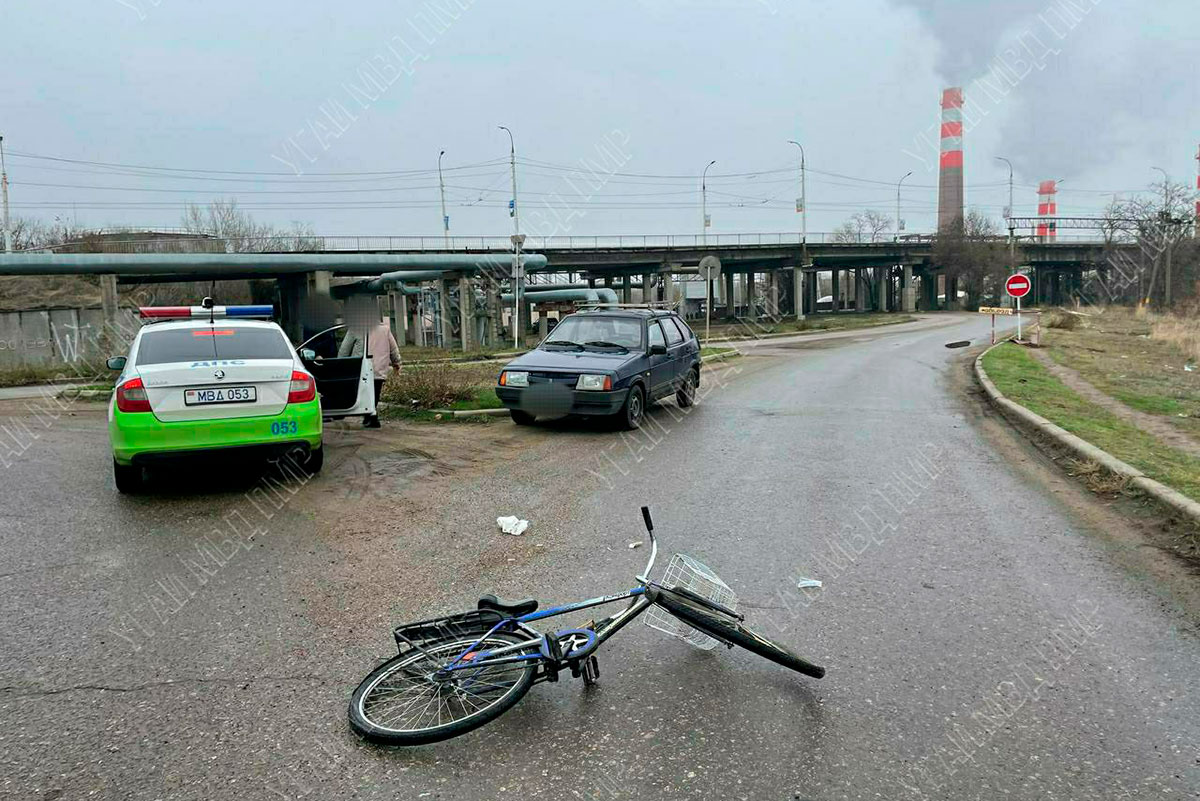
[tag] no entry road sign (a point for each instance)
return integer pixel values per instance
(1018, 286)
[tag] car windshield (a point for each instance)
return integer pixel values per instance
(597, 332)
(217, 342)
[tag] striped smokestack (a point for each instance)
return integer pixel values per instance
(1047, 207)
(950, 179)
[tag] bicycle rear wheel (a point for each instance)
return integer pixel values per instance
(728, 629)
(403, 702)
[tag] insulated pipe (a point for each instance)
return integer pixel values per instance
(220, 266)
(597, 295)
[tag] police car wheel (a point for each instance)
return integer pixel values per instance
(128, 478)
(315, 461)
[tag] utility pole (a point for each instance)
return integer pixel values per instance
(517, 241)
(704, 202)
(1166, 221)
(799, 303)
(445, 217)
(4, 194)
(1008, 215)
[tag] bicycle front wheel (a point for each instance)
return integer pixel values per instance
(730, 630)
(405, 702)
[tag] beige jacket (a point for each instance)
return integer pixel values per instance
(381, 346)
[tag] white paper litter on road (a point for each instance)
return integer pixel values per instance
(805, 583)
(512, 524)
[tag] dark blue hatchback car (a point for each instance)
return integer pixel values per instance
(604, 362)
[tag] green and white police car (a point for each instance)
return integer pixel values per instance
(211, 381)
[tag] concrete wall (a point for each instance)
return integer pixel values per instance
(62, 337)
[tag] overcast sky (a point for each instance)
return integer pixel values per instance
(616, 108)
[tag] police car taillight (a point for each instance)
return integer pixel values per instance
(201, 313)
(302, 389)
(131, 396)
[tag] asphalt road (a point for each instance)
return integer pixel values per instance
(980, 640)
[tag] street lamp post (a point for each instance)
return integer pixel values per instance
(704, 202)
(517, 241)
(442, 187)
(797, 284)
(898, 220)
(4, 199)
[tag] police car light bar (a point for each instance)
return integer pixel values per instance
(200, 313)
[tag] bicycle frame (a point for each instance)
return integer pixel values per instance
(548, 652)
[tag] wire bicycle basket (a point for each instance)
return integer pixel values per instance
(690, 574)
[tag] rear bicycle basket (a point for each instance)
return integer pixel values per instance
(684, 572)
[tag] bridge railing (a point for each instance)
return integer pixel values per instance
(290, 244)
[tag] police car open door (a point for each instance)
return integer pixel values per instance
(345, 383)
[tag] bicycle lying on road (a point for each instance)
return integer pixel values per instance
(455, 673)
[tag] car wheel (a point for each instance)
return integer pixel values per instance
(314, 462)
(521, 418)
(128, 478)
(686, 396)
(630, 416)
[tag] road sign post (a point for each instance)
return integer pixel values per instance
(710, 270)
(1018, 286)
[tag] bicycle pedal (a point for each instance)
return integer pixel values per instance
(591, 671)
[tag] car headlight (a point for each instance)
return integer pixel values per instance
(515, 378)
(594, 382)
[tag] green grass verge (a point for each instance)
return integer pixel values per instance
(1023, 380)
(1114, 351)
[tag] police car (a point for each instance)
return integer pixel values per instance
(204, 381)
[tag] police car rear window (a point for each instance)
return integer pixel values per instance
(217, 342)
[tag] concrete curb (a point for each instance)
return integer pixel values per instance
(720, 357)
(1023, 418)
(502, 412)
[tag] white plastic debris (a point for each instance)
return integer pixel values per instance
(805, 583)
(1191, 368)
(637, 544)
(512, 524)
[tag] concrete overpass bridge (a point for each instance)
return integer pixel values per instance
(760, 272)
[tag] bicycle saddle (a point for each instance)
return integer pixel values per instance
(511, 608)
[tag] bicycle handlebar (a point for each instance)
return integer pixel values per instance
(645, 577)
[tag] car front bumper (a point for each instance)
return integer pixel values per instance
(550, 400)
(141, 438)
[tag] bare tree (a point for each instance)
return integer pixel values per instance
(973, 251)
(863, 226)
(238, 232)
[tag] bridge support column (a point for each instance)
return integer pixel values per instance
(445, 311)
(800, 293)
(860, 295)
(908, 292)
(772, 304)
(835, 290)
(666, 273)
(543, 323)
(883, 281)
(493, 313)
(751, 304)
(466, 311)
(730, 305)
(627, 290)
(647, 287)
(396, 313)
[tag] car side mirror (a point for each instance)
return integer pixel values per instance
(115, 363)
(658, 350)
(308, 354)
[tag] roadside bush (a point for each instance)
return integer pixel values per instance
(437, 385)
(1181, 331)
